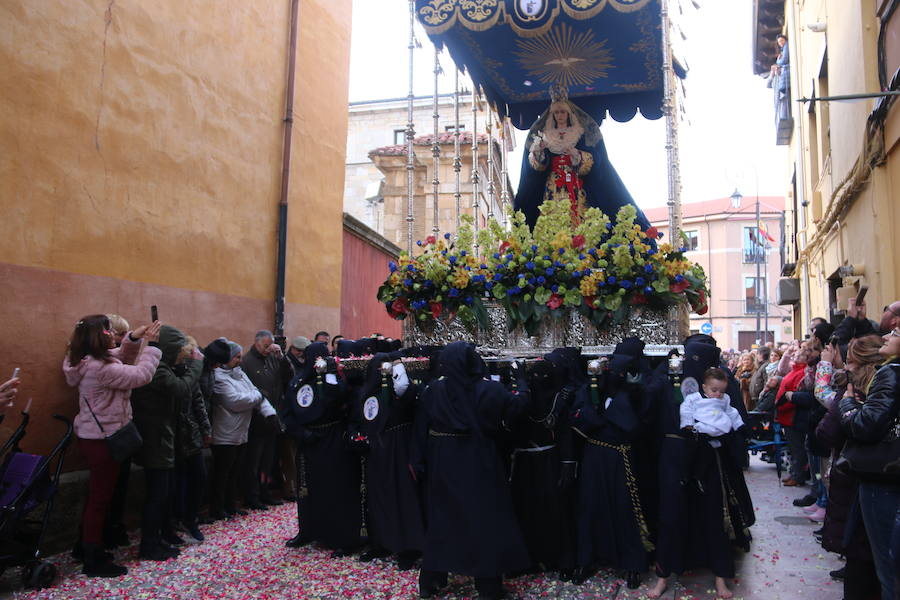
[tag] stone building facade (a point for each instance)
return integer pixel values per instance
(841, 193)
(375, 189)
(724, 240)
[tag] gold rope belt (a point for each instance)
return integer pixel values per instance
(392, 428)
(434, 433)
(726, 518)
(630, 482)
(304, 490)
(730, 498)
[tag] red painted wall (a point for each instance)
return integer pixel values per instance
(365, 268)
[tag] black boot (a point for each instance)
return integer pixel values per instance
(157, 550)
(431, 583)
(173, 539)
(297, 541)
(633, 580)
(373, 553)
(807, 500)
(78, 552)
(97, 563)
(407, 560)
(582, 574)
(115, 536)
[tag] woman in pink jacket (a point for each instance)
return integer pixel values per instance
(104, 376)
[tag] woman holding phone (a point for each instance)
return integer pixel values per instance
(104, 374)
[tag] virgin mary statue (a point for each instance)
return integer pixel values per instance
(565, 158)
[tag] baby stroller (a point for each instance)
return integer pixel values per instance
(27, 482)
(767, 441)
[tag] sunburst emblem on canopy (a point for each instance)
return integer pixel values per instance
(565, 57)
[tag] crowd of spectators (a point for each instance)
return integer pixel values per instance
(189, 404)
(832, 391)
(832, 394)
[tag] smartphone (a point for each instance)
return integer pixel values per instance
(861, 294)
(15, 372)
(154, 314)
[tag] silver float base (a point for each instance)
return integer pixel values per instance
(569, 329)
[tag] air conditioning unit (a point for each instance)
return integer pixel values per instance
(788, 291)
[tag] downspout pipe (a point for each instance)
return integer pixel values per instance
(278, 328)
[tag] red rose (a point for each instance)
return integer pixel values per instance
(430, 239)
(503, 247)
(555, 301)
(652, 233)
(638, 298)
(701, 305)
(399, 307)
(589, 300)
(677, 288)
(578, 241)
(436, 309)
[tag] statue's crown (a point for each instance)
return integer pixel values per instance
(558, 92)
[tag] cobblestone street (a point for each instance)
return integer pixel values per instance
(246, 558)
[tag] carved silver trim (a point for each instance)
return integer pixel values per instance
(572, 329)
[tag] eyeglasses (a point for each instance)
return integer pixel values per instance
(895, 332)
(891, 310)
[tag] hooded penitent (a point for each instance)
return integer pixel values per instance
(472, 529)
(308, 393)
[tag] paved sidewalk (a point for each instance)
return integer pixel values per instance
(246, 558)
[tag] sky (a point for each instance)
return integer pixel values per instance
(726, 136)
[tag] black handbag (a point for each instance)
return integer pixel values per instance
(880, 461)
(122, 443)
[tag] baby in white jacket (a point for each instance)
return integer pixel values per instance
(709, 413)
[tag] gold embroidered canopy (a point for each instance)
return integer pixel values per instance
(607, 53)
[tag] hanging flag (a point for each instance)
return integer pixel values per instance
(764, 232)
(753, 238)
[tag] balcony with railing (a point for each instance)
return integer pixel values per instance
(753, 306)
(754, 255)
(781, 88)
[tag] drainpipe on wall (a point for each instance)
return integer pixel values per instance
(278, 329)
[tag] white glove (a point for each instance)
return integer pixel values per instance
(401, 379)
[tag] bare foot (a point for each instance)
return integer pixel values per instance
(659, 589)
(722, 590)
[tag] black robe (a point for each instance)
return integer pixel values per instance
(329, 507)
(611, 524)
(396, 521)
(543, 497)
(693, 529)
(471, 527)
(720, 516)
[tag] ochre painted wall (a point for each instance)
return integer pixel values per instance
(140, 161)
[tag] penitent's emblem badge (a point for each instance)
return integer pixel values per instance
(305, 396)
(370, 408)
(531, 7)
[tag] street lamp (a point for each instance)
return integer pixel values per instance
(736, 198)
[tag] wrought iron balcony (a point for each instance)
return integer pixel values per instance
(754, 255)
(784, 123)
(753, 306)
